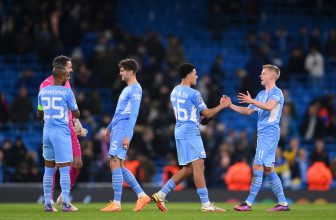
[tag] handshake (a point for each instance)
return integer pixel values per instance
(224, 102)
(80, 131)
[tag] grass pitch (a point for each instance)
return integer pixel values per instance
(177, 211)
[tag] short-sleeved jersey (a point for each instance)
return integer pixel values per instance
(50, 81)
(187, 103)
(128, 106)
(268, 121)
(55, 102)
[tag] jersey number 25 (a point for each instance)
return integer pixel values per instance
(51, 104)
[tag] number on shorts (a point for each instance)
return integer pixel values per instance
(114, 145)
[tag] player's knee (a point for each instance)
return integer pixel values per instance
(78, 164)
(49, 163)
(258, 167)
(198, 162)
(267, 169)
(114, 162)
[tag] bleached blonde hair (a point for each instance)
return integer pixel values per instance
(273, 68)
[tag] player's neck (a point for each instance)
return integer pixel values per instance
(57, 83)
(185, 83)
(132, 81)
(270, 86)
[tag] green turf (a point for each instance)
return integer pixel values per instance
(176, 211)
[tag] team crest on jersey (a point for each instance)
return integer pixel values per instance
(199, 99)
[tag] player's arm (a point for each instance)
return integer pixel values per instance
(71, 100)
(242, 110)
(266, 106)
(246, 98)
(135, 106)
(75, 113)
(109, 127)
(210, 112)
(40, 112)
(108, 132)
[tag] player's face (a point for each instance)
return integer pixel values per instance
(193, 77)
(68, 68)
(64, 78)
(125, 74)
(266, 76)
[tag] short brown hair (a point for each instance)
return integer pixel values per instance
(61, 60)
(129, 64)
(272, 68)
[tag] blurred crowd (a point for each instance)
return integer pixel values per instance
(96, 44)
(303, 54)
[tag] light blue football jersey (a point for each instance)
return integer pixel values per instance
(268, 121)
(187, 103)
(127, 109)
(56, 102)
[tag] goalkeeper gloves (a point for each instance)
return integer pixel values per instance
(79, 128)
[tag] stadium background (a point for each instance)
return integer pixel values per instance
(228, 41)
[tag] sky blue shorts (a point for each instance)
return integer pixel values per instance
(116, 148)
(57, 145)
(189, 150)
(266, 150)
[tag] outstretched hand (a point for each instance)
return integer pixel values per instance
(245, 98)
(225, 101)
